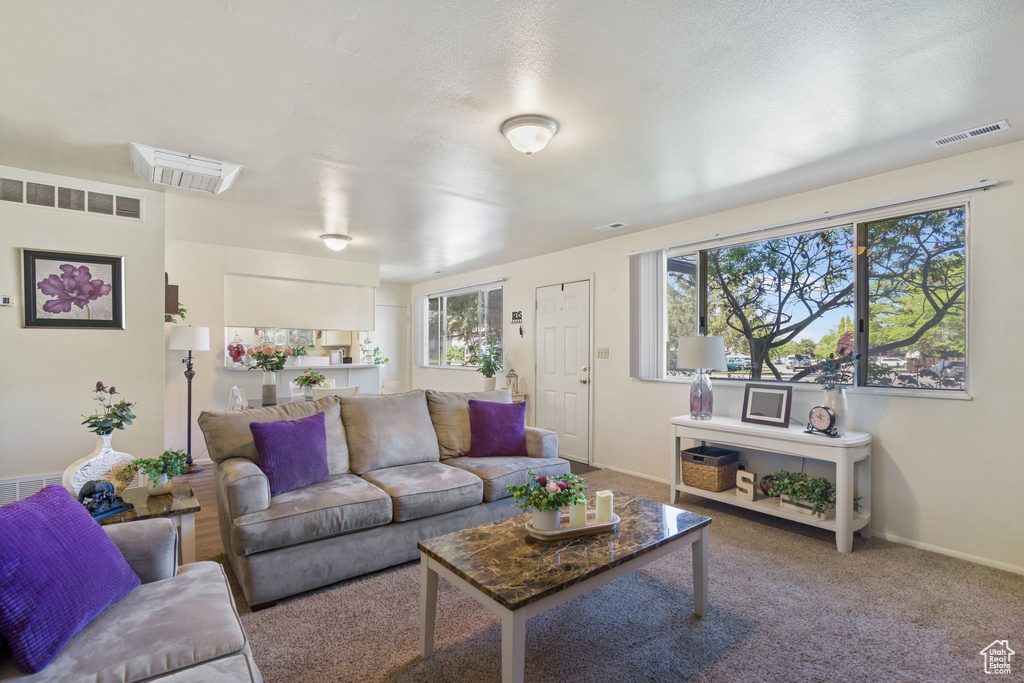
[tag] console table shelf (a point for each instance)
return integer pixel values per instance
(851, 454)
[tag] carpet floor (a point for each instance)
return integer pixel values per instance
(783, 605)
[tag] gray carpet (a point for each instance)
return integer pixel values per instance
(784, 606)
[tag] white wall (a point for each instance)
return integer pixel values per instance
(48, 375)
(947, 473)
(393, 333)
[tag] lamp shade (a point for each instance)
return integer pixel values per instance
(189, 338)
(701, 353)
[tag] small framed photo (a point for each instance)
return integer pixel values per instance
(72, 290)
(767, 404)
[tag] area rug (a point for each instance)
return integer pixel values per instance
(784, 605)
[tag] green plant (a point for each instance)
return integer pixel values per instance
(310, 378)
(490, 359)
(269, 358)
(299, 351)
(180, 317)
(114, 415)
(171, 463)
(378, 357)
(818, 492)
(548, 493)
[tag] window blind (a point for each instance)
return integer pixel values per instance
(646, 322)
(419, 324)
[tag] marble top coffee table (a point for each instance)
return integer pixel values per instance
(181, 505)
(517, 577)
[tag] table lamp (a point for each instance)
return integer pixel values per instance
(701, 354)
(190, 339)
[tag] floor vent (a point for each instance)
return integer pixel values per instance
(12, 490)
(69, 199)
(610, 226)
(971, 133)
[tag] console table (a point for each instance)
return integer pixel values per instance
(851, 454)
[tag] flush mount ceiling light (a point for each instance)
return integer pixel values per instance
(529, 133)
(335, 241)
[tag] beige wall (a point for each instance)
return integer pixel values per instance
(947, 473)
(47, 375)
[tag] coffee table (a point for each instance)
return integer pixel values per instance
(180, 504)
(517, 577)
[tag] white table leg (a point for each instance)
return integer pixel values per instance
(700, 573)
(187, 538)
(844, 505)
(428, 607)
(674, 473)
(863, 476)
(513, 646)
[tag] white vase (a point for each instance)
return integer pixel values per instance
(836, 400)
(159, 486)
(100, 465)
(269, 388)
(489, 383)
(293, 362)
(545, 520)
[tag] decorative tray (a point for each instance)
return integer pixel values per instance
(565, 531)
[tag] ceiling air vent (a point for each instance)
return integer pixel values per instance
(969, 134)
(610, 226)
(183, 170)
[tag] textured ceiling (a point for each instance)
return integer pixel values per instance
(380, 119)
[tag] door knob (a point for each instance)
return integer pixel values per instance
(583, 381)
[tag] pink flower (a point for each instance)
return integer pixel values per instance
(562, 485)
(99, 386)
(287, 351)
(278, 349)
(74, 286)
(552, 487)
(542, 480)
(308, 375)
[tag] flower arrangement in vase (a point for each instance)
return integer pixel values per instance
(269, 358)
(104, 462)
(114, 415)
(310, 379)
(546, 496)
(160, 471)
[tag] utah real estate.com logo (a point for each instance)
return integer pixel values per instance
(997, 657)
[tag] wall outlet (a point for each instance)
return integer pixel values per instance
(602, 351)
(6, 300)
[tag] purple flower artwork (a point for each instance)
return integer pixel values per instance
(75, 286)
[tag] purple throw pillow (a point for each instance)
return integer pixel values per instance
(58, 571)
(293, 453)
(496, 429)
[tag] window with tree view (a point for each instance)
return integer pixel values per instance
(458, 325)
(786, 305)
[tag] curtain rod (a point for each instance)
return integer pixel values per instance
(719, 237)
(473, 286)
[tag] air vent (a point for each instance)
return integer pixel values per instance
(12, 490)
(610, 226)
(969, 134)
(175, 169)
(69, 199)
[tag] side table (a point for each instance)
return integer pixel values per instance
(180, 504)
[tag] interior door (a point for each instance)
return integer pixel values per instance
(563, 366)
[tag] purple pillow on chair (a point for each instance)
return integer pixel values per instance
(58, 571)
(496, 428)
(293, 453)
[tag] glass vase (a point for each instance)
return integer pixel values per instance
(701, 398)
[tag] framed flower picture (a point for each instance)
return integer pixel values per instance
(70, 290)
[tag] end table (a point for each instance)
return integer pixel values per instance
(180, 504)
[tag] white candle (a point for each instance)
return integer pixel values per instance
(578, 514)
(604, 506)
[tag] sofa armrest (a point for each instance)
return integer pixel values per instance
(149, 546)
(540, 443)
(245, 485)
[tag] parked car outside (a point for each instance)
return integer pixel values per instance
(949, 369)
(890, 361)
(798, 362)
(737, 362)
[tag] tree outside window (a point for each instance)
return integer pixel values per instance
(459, 324)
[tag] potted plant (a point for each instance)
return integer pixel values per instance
(310, 379)
(546, 496)
(104, 460)
(800, 493)
(297, 352)
(269, 359)
(160, 471)
(489, 363)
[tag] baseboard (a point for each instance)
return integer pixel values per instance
(660, 480)
(977, 559)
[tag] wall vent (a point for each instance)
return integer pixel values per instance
(69, 199)
(610, 226)
(175, 169)
(12, 490)
(971, 133)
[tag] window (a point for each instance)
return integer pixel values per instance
(885, 298)
(458, 324)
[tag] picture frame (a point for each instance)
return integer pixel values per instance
(767, 404)
(73, 290)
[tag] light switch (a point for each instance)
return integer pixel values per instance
(602, 351)
(6, 300)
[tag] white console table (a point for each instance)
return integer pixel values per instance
(851, 454)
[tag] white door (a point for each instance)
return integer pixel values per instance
(563, 366)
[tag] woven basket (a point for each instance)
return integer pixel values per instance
(710, 478)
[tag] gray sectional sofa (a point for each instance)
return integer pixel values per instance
(399, 474)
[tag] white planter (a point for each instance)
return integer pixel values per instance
(803, 507)
(490, 383)
(159, 486)
(545, 520)
(293, 362)
(269, 388)
(836, 400)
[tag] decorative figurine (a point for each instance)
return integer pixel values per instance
(102, 501)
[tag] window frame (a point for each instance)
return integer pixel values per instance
(857, 225)
(483, 295)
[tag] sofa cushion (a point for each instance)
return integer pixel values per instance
(159, 627)
(497, 473)
(388, 431)
(228, 436)
(427, 489)
(58, 572)
(339, 505)
(449, 411)
(497, 429)
(293, 453)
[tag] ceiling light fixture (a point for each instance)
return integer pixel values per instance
(335, 241)
(529, 133)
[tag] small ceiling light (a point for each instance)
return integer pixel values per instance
(529, 133)
(335, 241)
